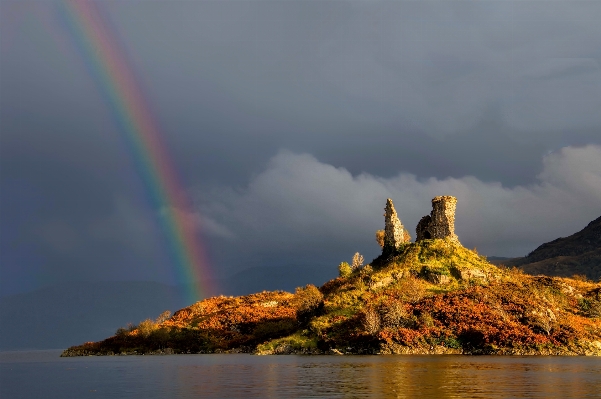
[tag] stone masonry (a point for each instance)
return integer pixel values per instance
(394, 231)
(440, 223)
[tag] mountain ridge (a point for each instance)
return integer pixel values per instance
(577, 254)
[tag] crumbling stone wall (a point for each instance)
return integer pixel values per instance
(394, 231)
(421, 231)
(441, 221)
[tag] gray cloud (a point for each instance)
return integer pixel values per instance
(390, 79)
(299, 206)
(422, 93)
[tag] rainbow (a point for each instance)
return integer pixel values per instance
(107, 63)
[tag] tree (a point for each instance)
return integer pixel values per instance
(357, 261)
(308, 302)
(344, 269)
(380, 238)
(146, 327)
(163, 317)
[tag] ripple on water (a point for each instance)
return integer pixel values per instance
(246, 376)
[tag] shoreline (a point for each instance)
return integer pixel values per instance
(592, 349)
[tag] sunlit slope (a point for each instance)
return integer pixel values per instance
(434, 296)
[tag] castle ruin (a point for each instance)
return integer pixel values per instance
(440, 223)
(394, 231)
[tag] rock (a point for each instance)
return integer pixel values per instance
(394, 231)
(439, 279)
(382, 283)
(469, 274)
(283, 349)
(398, 275)
(434, 275)
(441, 221)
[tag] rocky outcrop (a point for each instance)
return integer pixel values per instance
(394, 231)
(440, 223)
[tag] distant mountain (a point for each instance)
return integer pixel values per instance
(497, 260)
(285, 278)
(579, 253)
(57, 316)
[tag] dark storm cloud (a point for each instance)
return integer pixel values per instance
(299, 208)
(434, 89)
(398, 80)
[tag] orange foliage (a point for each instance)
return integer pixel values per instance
(516, 311)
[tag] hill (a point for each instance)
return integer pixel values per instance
(56, 316)
(578, 254)
(432, 296)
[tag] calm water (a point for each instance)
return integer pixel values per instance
(42, 374)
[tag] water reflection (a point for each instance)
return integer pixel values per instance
(396, 376)
(245, 376)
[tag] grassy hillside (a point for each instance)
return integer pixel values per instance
(429, 297)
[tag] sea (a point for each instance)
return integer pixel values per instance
(43, 374)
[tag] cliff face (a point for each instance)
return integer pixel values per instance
(579, 253)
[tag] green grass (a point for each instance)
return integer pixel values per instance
(298, 342)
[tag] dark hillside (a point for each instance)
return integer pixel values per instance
(586, 240)
(579, 253)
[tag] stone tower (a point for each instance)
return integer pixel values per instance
(394, 231)
(440, 223)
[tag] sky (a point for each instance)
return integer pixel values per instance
(287, 125)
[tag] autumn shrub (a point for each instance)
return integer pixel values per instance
(425, 319)
(366, 271)
(380, 238)
(146, 327)
(360, 285)
(411, 288)
(121, 332)
(308, 302)
(590, 307)
(580, 277)
(392, 314)
(370, 320)
(344, 269)
(515, 274)
(163, 317)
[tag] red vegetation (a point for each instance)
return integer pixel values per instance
(396, 308)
